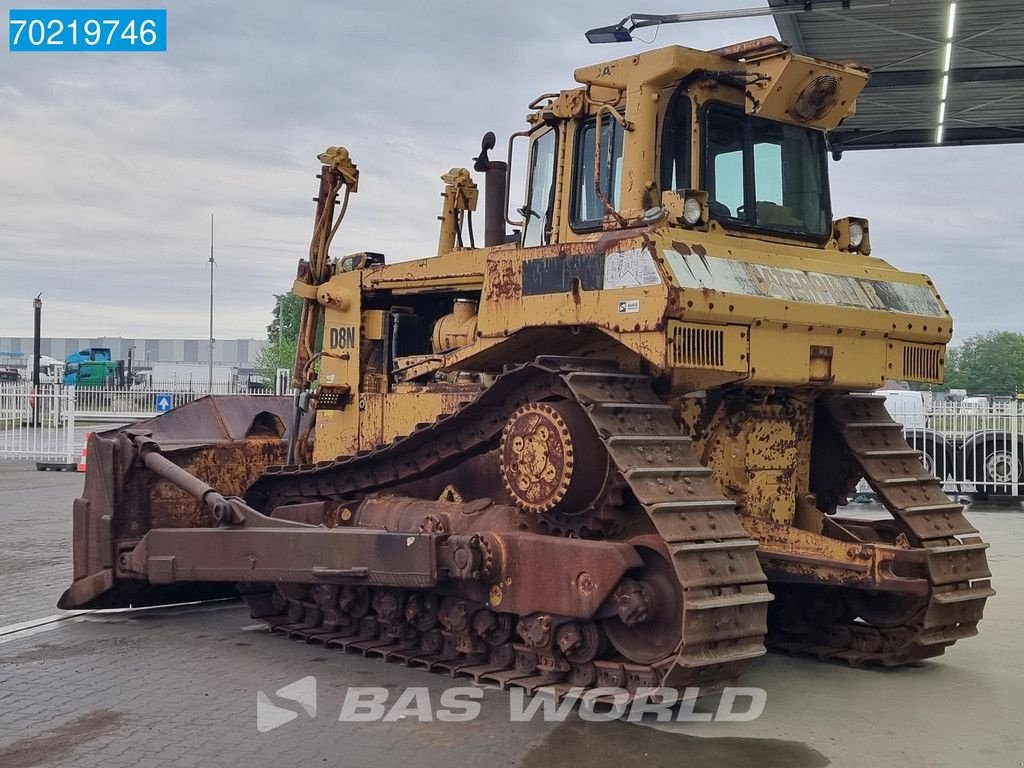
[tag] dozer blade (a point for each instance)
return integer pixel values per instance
(224, 441)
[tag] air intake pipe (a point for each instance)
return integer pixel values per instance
(496, 180)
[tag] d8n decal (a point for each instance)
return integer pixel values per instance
(343, 337)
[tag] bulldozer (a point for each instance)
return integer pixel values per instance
(605, 448)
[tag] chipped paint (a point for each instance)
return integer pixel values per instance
(630, 269)
(711, 273)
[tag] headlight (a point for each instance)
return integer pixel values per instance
(691, 211)
(856, 234)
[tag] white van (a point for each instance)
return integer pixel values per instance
(906, 406)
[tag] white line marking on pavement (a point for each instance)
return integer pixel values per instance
(35, 626)
(33, 623)
(25, 629)
(119, 615)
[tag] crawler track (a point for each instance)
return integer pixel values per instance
(895, 630)
(722, 597)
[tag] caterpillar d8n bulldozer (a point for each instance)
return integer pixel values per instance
(607, 447)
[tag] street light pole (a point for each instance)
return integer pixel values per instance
(210, 388)
(37, 307)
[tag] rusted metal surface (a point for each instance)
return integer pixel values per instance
(551, 459)
(681, 502)
(466, 505)
(675, 605)
(393, 512)
(337, 173)
(300, 554)
(792, 555)
(667, 601)
(756, 47)
(782, 454)
(945, 574)
(590, 571)
(222, 442)
(512, 565)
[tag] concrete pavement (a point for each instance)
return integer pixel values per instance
(178, 687)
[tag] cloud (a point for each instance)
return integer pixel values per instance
(112, 163)
(949, 213)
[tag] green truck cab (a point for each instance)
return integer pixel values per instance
(97, 373)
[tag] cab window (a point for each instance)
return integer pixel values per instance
(765, 175)
(537, 224)
(587, 207)
(676, 134)
(724, 174)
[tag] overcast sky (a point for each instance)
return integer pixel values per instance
(110, 164)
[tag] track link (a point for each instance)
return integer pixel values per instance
(723, 589)
(954, 564)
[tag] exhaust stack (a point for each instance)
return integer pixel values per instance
(496, 180)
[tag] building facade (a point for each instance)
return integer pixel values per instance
(237, 353)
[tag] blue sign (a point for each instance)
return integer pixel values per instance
(103, 29)
(164, 403)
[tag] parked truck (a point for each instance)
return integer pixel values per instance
(108, 374)
(75, 359)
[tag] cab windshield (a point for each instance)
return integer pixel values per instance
(765, 175)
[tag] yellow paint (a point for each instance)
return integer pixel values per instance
(796, 338)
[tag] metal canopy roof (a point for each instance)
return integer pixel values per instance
(915, 97)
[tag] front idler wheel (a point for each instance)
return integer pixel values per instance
(648, 625)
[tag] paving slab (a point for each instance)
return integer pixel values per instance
(179, 686)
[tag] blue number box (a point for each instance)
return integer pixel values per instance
(104, 29)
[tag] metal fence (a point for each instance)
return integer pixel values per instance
(279, 384)
(120, 405)
(973, 448)
(38, 425)
(48, 425)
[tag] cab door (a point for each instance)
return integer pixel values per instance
(539, 212)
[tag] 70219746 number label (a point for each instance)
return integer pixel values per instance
(102, 29)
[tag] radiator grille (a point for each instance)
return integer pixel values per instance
(697, 347)
(921, 362)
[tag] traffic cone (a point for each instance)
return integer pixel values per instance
(82, 458)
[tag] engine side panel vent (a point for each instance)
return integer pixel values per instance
(922, 363)
(697, 347)
(710, 347)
